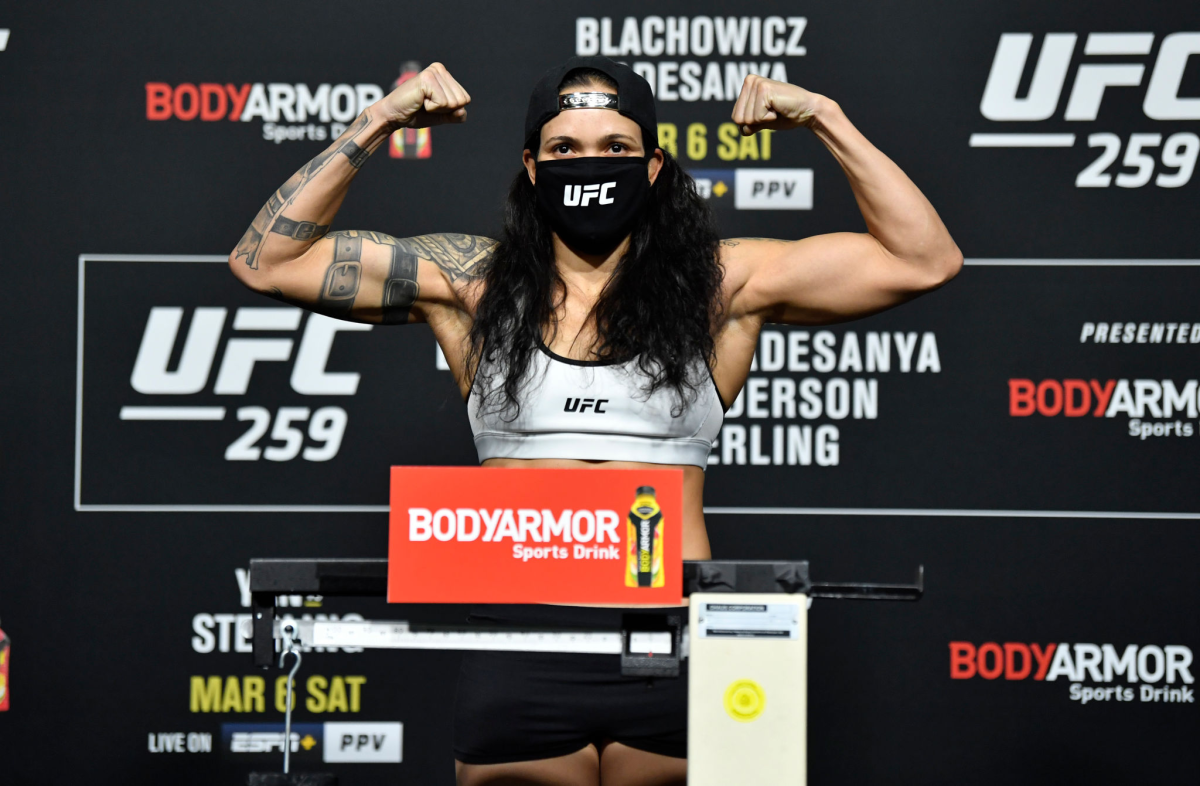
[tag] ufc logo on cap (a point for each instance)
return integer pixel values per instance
(571, 194)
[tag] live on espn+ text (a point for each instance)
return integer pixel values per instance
(1027, 433)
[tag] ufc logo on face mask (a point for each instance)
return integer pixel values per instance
(572, 195)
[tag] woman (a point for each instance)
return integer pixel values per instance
(610, 279)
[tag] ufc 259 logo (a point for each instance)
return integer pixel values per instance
(315, 435)
(1110, 61)
(581, 195)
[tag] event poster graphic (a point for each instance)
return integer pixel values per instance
(1028, 432)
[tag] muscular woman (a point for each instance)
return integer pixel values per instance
(608, 276)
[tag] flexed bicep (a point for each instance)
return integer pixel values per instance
(367, 276)
(821, 279)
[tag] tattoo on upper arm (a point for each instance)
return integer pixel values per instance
(400, 290)
(299, 230)
(269, 219)
(342, 277)
(457, 255)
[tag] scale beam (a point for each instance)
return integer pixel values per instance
(270, 578)
(838, 591)
(405, 636)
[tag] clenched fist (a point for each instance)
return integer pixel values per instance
(431, 98)
(765, 103)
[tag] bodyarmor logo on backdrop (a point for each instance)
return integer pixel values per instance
(1152, 674)
(287, 112)
(1154, 407)
(1165, 155)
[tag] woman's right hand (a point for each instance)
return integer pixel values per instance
(431, 98)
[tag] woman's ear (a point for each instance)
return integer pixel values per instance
(530, 163)
(655, 164)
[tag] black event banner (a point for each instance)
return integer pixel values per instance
(1049, 132)
(1024, 385)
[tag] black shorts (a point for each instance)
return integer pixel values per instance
(520, 706)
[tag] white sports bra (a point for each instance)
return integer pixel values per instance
(575, 409)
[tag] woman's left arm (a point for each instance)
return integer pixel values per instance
(831, 278)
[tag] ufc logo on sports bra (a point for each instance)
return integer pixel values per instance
(581, 195)
(584, 404)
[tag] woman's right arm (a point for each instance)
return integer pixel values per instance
(362, 276)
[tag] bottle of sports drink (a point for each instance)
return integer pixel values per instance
(409, 142)
(645, 547)
(5, 652)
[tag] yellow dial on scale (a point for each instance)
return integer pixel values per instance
(744, 700)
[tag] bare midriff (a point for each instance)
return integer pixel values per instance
(695, 536)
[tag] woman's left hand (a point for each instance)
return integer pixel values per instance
(765, 103)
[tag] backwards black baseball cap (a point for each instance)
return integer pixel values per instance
(634, 99)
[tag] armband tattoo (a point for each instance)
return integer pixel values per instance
(401, 289)
(342, 277)
(357, 155)
(299, 230)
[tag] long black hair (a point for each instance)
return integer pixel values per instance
(660, 306)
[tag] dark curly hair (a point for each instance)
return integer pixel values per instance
(659, 307)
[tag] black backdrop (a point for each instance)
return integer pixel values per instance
(1073, 525)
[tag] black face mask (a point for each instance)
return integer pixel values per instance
(592, 202)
